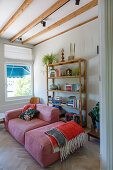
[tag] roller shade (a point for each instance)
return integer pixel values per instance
(15, 52)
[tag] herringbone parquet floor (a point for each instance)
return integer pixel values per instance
(13, 156)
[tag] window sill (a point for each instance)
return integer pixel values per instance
(21, 98)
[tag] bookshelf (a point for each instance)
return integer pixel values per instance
(81, 63)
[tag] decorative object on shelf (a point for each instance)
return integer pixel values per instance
(72, 52)
(62, 53)
(75, 71)
(95, 116)
(62, 72)
(53, 87)
(68, 72)
(48, 59)
(59, 87)
(71, 58)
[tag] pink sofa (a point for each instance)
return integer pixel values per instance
(39, 146)
(18, 127)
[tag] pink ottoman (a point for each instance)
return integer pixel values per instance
(39, 146)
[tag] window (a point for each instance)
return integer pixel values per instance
(18, 80)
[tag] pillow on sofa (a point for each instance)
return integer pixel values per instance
(33, 106)
(29, 114)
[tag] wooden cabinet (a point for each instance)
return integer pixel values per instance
(81, 75)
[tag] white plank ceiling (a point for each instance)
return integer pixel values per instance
(37, 7)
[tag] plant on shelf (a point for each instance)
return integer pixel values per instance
(48, 59)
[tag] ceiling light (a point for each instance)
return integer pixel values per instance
(43, 23)
(20, 38)
(77, 2)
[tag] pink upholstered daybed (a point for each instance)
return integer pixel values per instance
(31, 133)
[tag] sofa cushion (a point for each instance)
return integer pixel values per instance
(17, 127)
(33, 106)
(29, 114)
(48, 113)
(39, 146)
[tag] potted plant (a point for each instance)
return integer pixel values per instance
(48, 59)
(96, 112)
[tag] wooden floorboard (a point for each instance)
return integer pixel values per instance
(13, 156)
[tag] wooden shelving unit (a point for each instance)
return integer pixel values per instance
(64, 77)
(80, 76)
(63, 91)
(83, 108)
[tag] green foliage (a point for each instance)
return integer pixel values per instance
(96, 112)
(23, 86)
(75, 71)
(48, 59)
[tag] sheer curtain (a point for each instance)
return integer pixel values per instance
(106, 83)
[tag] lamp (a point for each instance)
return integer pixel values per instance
(43, 23)
(77, 2)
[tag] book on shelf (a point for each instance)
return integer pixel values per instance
(55, 73)
(73, 102)
(72, 87)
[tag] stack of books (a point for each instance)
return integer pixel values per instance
(73, 102)
(58, 100)
(49, 99)
(52, 73)
(57, 73)
(71, 87)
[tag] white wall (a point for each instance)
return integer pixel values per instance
(7, 105)
(86, 40)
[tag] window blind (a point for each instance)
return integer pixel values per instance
(15, 52)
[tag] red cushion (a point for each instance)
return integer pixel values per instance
(33, 106)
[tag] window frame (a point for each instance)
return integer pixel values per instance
(32, 81)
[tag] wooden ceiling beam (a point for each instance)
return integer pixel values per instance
(68, 30)
(64, 20)
(16, 15)
(44, 15)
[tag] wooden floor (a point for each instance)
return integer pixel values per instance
(13, 156)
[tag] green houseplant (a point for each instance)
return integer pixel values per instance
(96, 112)
(48, 59)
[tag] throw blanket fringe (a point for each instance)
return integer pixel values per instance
(71, 146)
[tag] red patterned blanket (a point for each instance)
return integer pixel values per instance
(70, 134)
